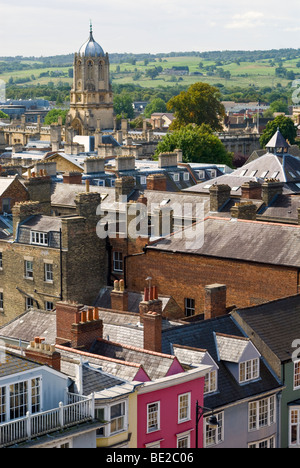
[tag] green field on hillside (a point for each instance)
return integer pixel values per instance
(229, 70)
(260, 73)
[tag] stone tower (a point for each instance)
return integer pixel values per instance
(91, 102)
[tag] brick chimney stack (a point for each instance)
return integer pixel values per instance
(76, 325)
(152, 331)
(215, 301)
(72, 178)
(157, 182)
(270, 189)
(245, 210)
(119, 297)
(43, 353)
(219, 195)
(251, 190)
(151, 317)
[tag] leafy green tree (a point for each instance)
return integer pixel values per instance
(155, 105)
(200, 104)
(123, 106)
(54, 114)
(286, 127)
(152, 73)
(198, 144)
(3, 115)
(279, 106)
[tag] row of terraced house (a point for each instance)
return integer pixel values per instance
(117, 341)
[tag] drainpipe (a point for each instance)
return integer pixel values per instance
(61, 270)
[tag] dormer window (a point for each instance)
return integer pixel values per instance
(39, 238)
(249, 370)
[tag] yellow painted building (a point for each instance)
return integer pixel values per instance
(117, 406)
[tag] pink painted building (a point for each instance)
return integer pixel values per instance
(167, 410)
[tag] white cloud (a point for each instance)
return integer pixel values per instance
(36, 27)
(248, 20)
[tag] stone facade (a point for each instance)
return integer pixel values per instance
(91, 103)
(74, 255)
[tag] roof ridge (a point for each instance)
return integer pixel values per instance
(281, 299)
(235, 337)
(105, 358)
(134, 348)
(268, 223)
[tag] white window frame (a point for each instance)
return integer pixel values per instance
(27, 300)
(48, 272)
(153, 445)
(28, 269)
(48, 305)
(120, 421)
(256, 413)
(270, 442)
(157, 417)
(143, 180)
(294, 422)
(184, 436)
(176, 177)
(17, 391)
(39, 238)
(117, 261)
(249, 370)
(187, 408)
(212, 173)
(186, 176)
(106, 417)
(214, 436)
(210, 385)
(296, 379)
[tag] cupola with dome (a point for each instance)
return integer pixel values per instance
(91, 100)
(91, 47)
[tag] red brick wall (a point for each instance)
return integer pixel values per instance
(185, 276)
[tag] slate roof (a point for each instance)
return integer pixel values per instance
(230, 348)
(255, 241)
(65, 194)
(277, 141)
(283, 167)
(277, 323)
(43, 223)
(202, 335)
(156, 365)
(282, 207)
(94, 380)
(32, 323)
(13, 364)
(134, 299)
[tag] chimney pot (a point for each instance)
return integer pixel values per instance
(96, 313)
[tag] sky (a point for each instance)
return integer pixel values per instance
(43, 28)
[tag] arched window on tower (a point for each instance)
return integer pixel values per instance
(101, 71)
(90, 69)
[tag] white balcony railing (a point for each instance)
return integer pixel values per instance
(79, 410)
